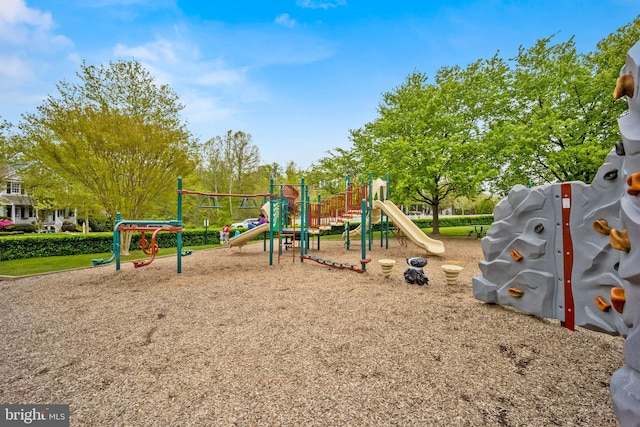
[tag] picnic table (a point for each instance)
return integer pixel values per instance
(479, 230)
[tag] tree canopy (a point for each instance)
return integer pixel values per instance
(231, 165)
(115, 138)
(545, 116)
(115, 134)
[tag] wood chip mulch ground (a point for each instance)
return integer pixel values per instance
(234, 341)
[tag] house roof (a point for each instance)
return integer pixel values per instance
(15, 199)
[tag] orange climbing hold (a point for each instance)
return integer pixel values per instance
(624, 86)
(516, 255)
(618, 299)
(602, 304)
(634, 184)
(620, 240)
(515, 292)
(602, 226)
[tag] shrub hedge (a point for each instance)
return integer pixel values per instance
(60, 244)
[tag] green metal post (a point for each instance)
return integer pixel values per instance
(304, 220)
(281, 219)
(271, 221)
(179, 236)
(363, 237)
(347, 239)
(116, 240)
(347, 194)
(370, 208)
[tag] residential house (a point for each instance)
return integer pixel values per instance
(16, 205)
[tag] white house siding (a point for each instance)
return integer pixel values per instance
(17, 206)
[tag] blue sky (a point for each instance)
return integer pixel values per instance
(295, 74)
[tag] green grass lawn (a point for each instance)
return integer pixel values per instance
(23, 267)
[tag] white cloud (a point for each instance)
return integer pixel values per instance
(27, 43)
(160, 50)
(14, 68)
(204, 112)
(212, 90)
(23, 26)
(172, 61)
(286, 20)
(221, 76)
(320, 4)
(14, 12)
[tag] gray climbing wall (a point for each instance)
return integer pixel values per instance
(531, 265)
(571, 251)
(625, 383)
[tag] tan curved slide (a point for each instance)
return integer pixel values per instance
(375, 218)
(409, 228)
(245, 236)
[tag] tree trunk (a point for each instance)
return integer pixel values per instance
(436, 217)
(39, 219)
(125, 242)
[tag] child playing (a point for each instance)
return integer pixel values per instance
(224, 234)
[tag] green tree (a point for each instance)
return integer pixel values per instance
(327, 176)
(232, 166)
(486, 205)
(42, 188)
(551, 135)
(425, 137)
(6, 149)
(561, 120)
(292, 173)
(116, 134)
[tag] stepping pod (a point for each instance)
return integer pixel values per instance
(387, 266)
(451, 272)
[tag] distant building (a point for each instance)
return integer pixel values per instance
(16, 205)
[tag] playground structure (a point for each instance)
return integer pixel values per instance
(291, 221)
(149, 248)
(369, 203)
(570, 251)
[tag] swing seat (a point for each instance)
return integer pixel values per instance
(248, 203)
(209, 202)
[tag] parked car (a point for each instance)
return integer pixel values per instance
(244, 223)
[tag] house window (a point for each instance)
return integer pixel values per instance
(32, 213)
(10, 211)
(13, 187)
(23, 213)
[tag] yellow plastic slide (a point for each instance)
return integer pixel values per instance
(409, 228)
(245, 236)
(375, 218)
